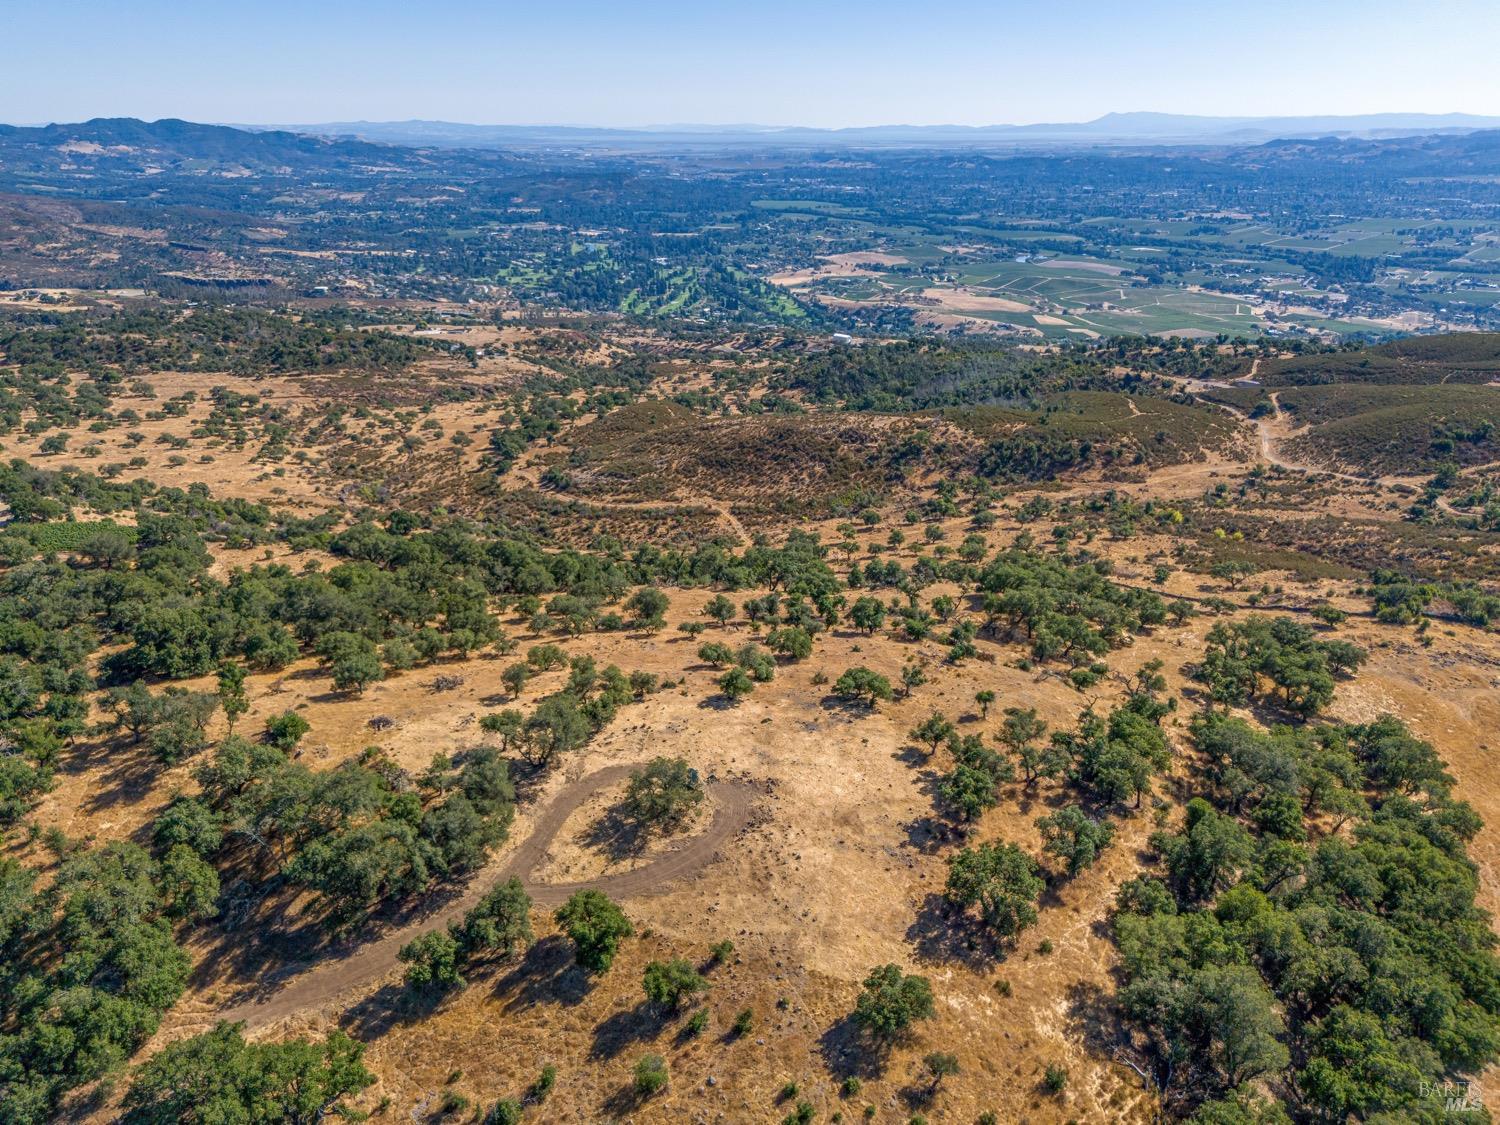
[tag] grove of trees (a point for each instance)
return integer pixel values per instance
(1348, 969)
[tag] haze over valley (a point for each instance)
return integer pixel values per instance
(856, 618)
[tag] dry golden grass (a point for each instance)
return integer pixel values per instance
(842, 867)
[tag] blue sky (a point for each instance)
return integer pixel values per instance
(806, 62)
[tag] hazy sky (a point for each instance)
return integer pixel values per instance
(808, 62)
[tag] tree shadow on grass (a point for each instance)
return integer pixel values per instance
(548, 973)
(260, 942)
(1051, 799)
(849, 1053)
(262, 939)
(623, 1102)
(918, 1094)
(915, 757)
(332, 695)
(639, 1024)
(930, 835)
(848, 707)
(129, 770)
(393, 1004)
(529, 780)
(1193, 693)
(1093, 1020)
(943, 934)
(1053, 885)
(616, 835)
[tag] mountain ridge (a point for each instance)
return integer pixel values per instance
(133, 146)
(131, 143)
(1118, 127)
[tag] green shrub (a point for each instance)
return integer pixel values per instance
(650, 1075)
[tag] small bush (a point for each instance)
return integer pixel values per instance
(453, 1103)
(650, 1075)
(285, 730)
(544, 1083)
(719, 952)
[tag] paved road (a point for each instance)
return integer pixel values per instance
(322, 982)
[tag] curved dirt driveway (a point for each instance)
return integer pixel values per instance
(374, 959)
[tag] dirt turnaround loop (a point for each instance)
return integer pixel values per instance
(372, 960)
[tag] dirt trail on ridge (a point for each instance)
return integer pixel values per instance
(322, 982)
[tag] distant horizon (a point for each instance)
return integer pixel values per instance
(827, 64)
(894, 124)
(767, 126)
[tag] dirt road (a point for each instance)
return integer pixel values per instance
(360, 965)
(1271, 430)
(1274, 430)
